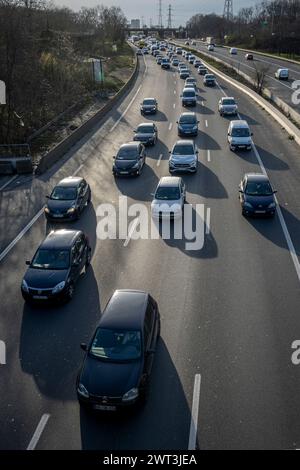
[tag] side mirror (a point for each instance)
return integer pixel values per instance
(176, 122)
(241, 191)
(114, 157)
(251, 133)
(47, 197)
(150, 351)
(169, 151)
(228, 133)
(275, 191)
(28, 263)
(198, 122)
(134, 130)
(83, 346)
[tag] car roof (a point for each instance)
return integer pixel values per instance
(70, 181)
(147, 124)
(125, 309)
(170, 181)
(154, 99)
(131, 145)
(256, 177)
(228, 98)
(188, 114)
(186, 88)
(184, 142)
(239, 123)
(60, 239)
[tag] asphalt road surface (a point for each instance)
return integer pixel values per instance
(281, 88)
(230, 310)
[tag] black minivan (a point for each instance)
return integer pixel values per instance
(56, 266)
(118, 360)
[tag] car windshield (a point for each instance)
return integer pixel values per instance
(167, 193)
(240, 132)
(145, 129)
(127, 154)
(185, 149)
(210, 77)
(187, 120)
(189, 93)
(61, 193)
(149, 102)
(258, 188)
(228, 102)
(116, 345)
(51, 259)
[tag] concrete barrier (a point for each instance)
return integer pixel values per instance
(57, 152)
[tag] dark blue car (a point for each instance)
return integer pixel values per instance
(257, 195)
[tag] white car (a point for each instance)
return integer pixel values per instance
(227, 106)
(210, 48)
(239, 135)
(282, 74)
(233, 51)
(190, 81)
(169, 198)
(183, 157)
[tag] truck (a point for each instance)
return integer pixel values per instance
(210, 41)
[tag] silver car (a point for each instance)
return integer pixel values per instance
(183, 157)
(169, 198)
(227, 106)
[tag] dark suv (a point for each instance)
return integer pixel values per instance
(56, 266)
(68, 199)
(118, 360)
(188, 124)
(129, 160)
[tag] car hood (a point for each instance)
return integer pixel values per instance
(166, 205)
(148, 106)
(45, 278)
(229, 107)
(111, 379)
(186, 125)
(59, 206)
(183, 158)
(259, 201)
(125, 164)
(241, 140)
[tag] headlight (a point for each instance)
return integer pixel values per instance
(131, 395)
(47, 210)
(135, 166)
(71, 210)
(195, 128)
(25, 286)
(83, 391)
(194, 163)
(247, 204)
(272, 205)
(59, 287)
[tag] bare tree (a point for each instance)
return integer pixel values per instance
(259, 75)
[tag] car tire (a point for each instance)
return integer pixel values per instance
(70, 292)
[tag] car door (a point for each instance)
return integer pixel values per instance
(142, 155)
(78, 256)
(242, 188)
(148, 340)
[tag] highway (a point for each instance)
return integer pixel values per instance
(283, 88)
(229, 311)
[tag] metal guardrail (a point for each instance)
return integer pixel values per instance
(15, 158)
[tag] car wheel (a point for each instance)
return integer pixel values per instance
(88, 258)
(70, 292)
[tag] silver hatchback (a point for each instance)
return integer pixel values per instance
(183, 157)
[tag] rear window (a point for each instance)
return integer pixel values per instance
(149, 102)
(240, 132)
(189, 94)
(145, 129)
(186, 149)
(167, 193)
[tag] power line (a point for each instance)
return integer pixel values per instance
(228, 10)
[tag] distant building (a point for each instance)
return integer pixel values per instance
(135, 24)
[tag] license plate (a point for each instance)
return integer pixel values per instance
(58, 215)
(105, 408)
(40, 297)
(260, 212)
(123, 172)
(242, 146)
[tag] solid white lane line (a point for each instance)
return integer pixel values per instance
(38, 432)
(207, 230)
(170, 126)
(208, 155)
(78, 170)
(159, 159)
(8, 182)
(133, 226)
(21, 234)
(126, 110)
(206, 122)
(195, 412)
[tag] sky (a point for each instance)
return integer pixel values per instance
(182, 9)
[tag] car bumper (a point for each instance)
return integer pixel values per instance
(183, 133)
(189, 103)
(185, 169)
(258, 212)
(146, 142)
(167, 216)
(44, 297)
(148, 111)
(228, 113)
(111, 405)
(130, 172)
(240, 147)
(61, 218)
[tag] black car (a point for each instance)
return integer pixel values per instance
(56, 266)
(118, 361)
(257, 195)
(149, 106)
(129, 160)
(68, 199)
(188, 124)
(146, 133)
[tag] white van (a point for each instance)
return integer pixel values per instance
(233, 51)
(239, 135)
(282, 74)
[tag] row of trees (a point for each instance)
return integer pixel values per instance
(42, 53)
(272, 25)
